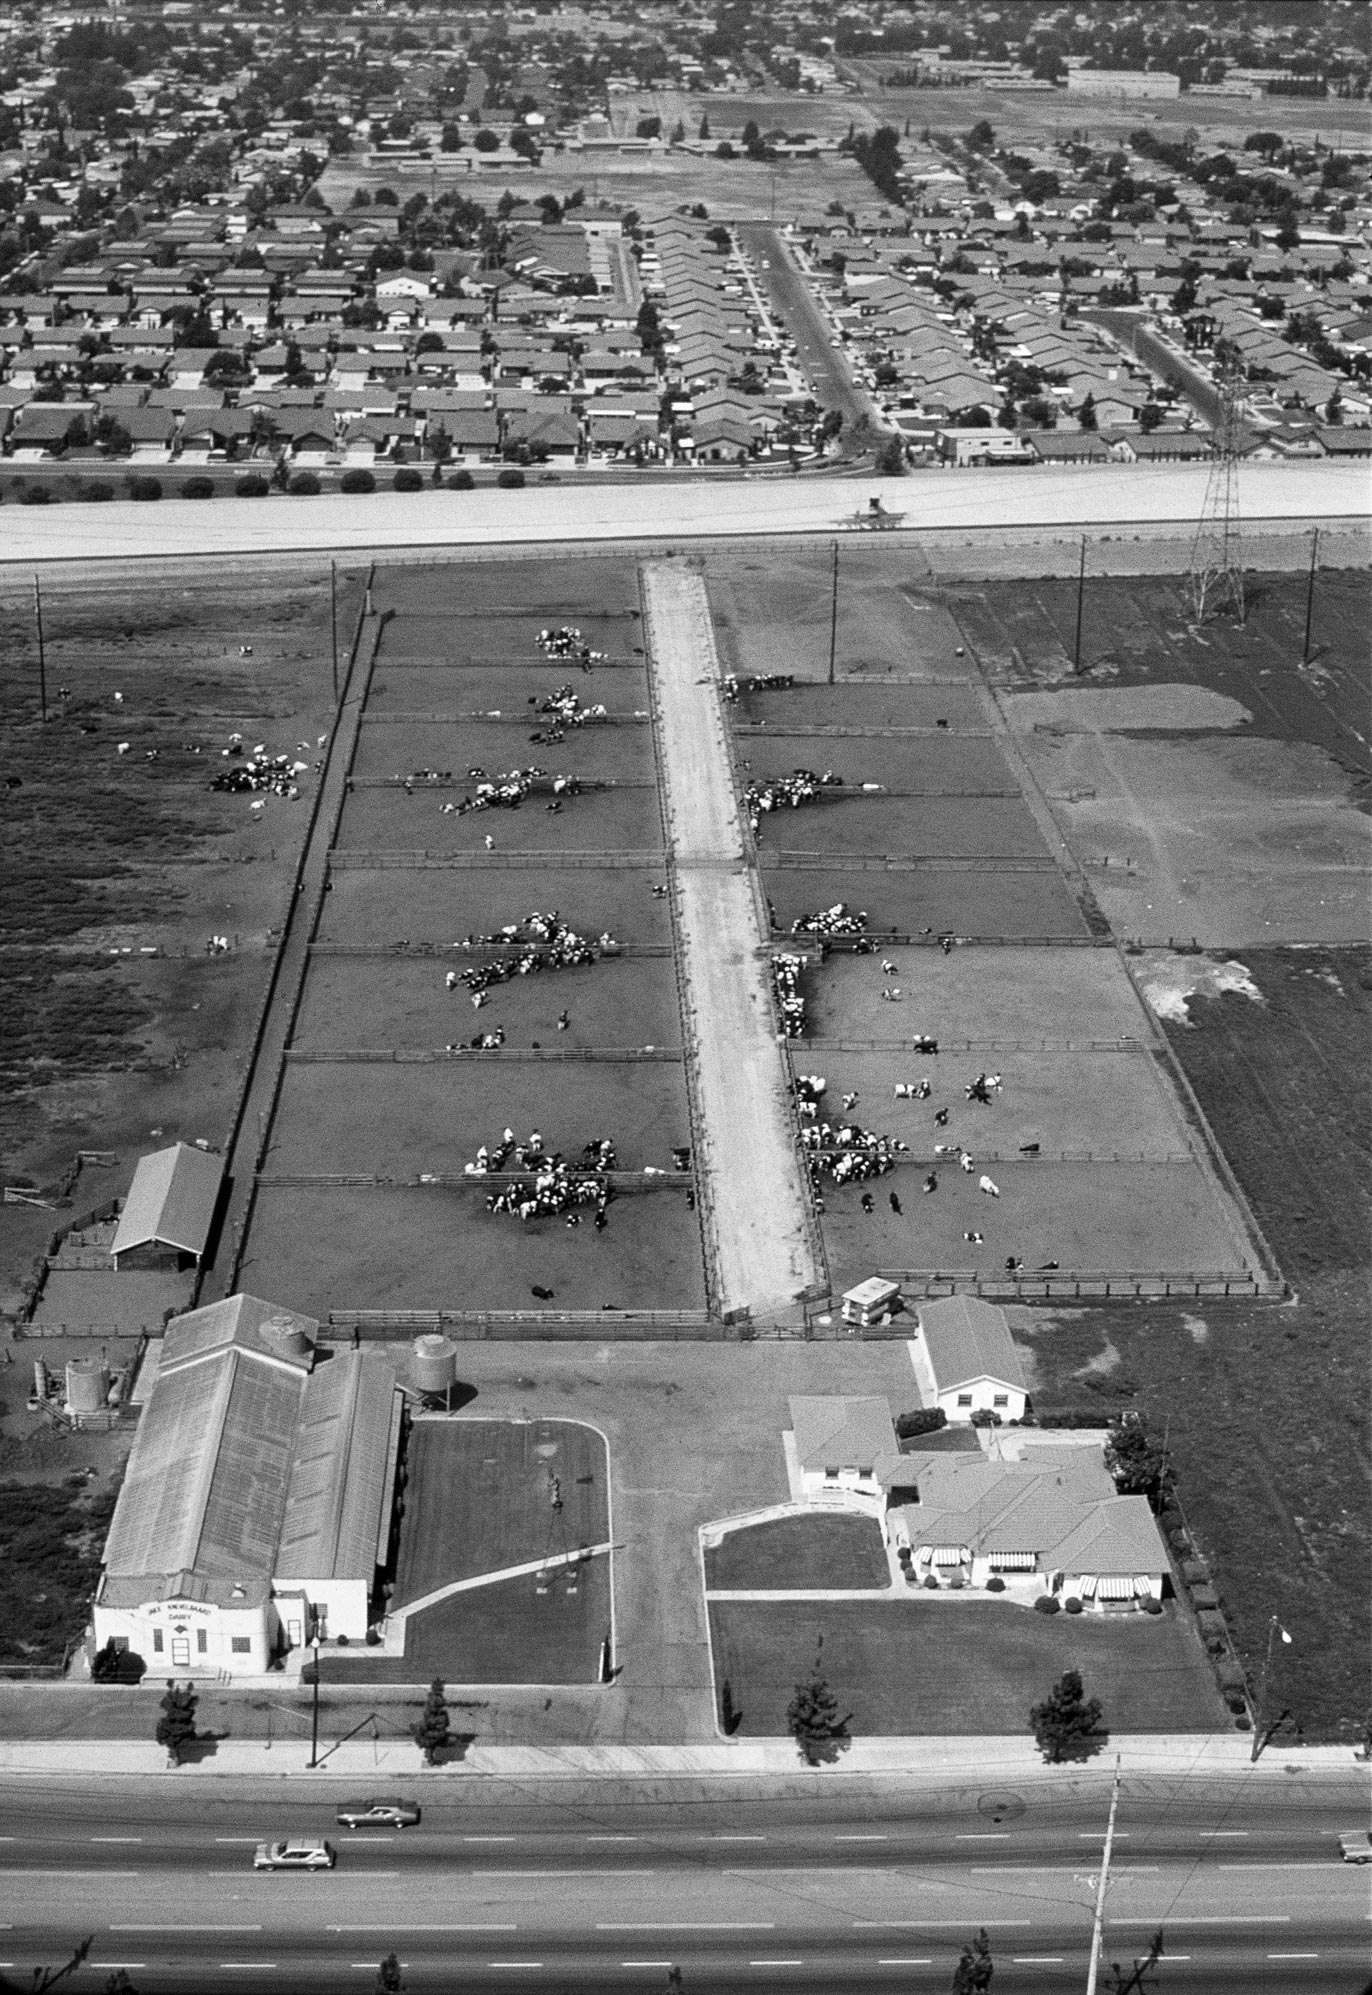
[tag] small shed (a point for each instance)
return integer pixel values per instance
(170, 1208)
(870, 1302)
(967, 1359)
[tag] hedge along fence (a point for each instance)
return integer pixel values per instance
(273, 977)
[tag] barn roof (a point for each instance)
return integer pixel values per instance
(968, 1339)
(171, 1201)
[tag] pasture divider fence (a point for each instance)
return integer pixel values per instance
(390, 861)
(1062, 1285)
(784, 860)
(428, 950)
(419, 1055)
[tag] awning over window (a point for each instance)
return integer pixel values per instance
(1112, 1586)
(1012, 1561)
(948, 1555)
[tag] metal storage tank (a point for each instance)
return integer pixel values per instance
(434, 1364)
(40, 1379)
(88, 1385)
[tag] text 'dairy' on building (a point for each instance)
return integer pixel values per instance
(256, 1509)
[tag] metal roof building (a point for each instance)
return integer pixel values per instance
(257, 1499)
(171, 1203)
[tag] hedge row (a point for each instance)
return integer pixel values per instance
(253, 485)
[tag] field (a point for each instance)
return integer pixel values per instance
(795, 1554)
(944, 1668)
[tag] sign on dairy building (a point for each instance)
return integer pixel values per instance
(257, 1504)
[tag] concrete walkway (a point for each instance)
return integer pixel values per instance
(756, 1203)
(751, 1760)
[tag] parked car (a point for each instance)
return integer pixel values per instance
(1355, 1846)
(379, 1815)
(295, 1853)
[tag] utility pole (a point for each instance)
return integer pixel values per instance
(1081, 592)
(42, 657)
(314, 1714)
(1315, 557)
(833, 617)
(1098, 1928)
(1261, 1729)
(333, 624)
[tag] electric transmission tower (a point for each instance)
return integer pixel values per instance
(1217, 552)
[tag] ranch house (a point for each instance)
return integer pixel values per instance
(965, 1359)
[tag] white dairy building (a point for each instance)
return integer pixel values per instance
(256, 1506)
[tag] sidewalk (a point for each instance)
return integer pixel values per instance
(761, 1760)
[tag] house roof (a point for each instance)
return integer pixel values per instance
(841, 1432)
(1060, 1507)
(172, 1198)
(969, 1339)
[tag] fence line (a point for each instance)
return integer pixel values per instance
(1125, 1043)
(760, 729)
(872, 939)
(1060, 1286)
(773, 859)
(360, 859)
(419, 1055)
(606, 953)
(541, 786)
(629, 1183)
(510, 717)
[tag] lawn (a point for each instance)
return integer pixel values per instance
(951, 1668)
(798, 1554)
(479, 1493)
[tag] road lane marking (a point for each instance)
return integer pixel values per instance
(983, 1836)
(516, 1963)
(1037, 1959)
(415, 1929)
(886, 1925)
(687, 1926)
(862, 1839)
(365, 1839)
(1068, 1870)
(7, 1872)
(1293, 1956)
(918, 1960)
(647, 1963)
(735, 1839)
(243, 1966)
(1223, 1832)
(185, 1929)
(117, 1966)
(1098, 1835)
(1213, 1919)
(116, 1839)
(776, 1963)
(613, 1839)
(584, 1871)
(1295, 1863)
(1172, 1959)
(490, 1839)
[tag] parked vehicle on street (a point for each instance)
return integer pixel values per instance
(1355, 1846)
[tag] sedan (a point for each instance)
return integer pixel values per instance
(379, 1815)
(295, 1853)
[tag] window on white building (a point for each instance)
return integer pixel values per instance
(157, 1641)
(241, 1645)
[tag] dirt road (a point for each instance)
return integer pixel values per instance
(755, 1206)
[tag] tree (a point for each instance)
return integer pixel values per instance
(1288, 236)
(1067, 1725)
(176, 1726)
(1134, 1458)
(433, 1730)
(812, 1720)
(648, 128)
(486, 141)
(704, 131)
(1333, 408)
(750, 135)
(972, 1975)
(1086, 414)
(982, 136)
(1150, 417)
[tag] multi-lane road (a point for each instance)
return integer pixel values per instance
(1246, 1887)
(794, 303)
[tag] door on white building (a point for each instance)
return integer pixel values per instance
(181, 1652)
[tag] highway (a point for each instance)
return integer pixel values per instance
(1245, 1884)
(1105, 497)
(793, 302)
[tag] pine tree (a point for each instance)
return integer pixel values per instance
(1136, 1461)
(176, 1727)
(813, 1722)
(705, 128)
(1067, 1725)
(972, 1975)
(432, 1732)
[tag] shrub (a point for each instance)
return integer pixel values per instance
(461, 481)
(1047, 1603)
(1235, 1703)
(145, 488)
(304, 485)
(1150, 1605)
(511, 479)
(407, 479)
(357, 480)
(35, 495)
(1071, 1605)
(198, 488)
(956, 1583)
(97, 492)
(924, 1420)
(1242, 1724)
(254, 486)
(931, 1584)
(995, 1584)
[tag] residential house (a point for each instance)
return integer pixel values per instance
(966, 1361)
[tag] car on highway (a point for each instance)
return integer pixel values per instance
(1355, 1846)
(379, 1814)
(294, 1853)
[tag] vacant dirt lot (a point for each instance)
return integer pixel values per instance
(609, 820)
(978, 900)
(443, 905)
(978, 994)
(503, 684)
